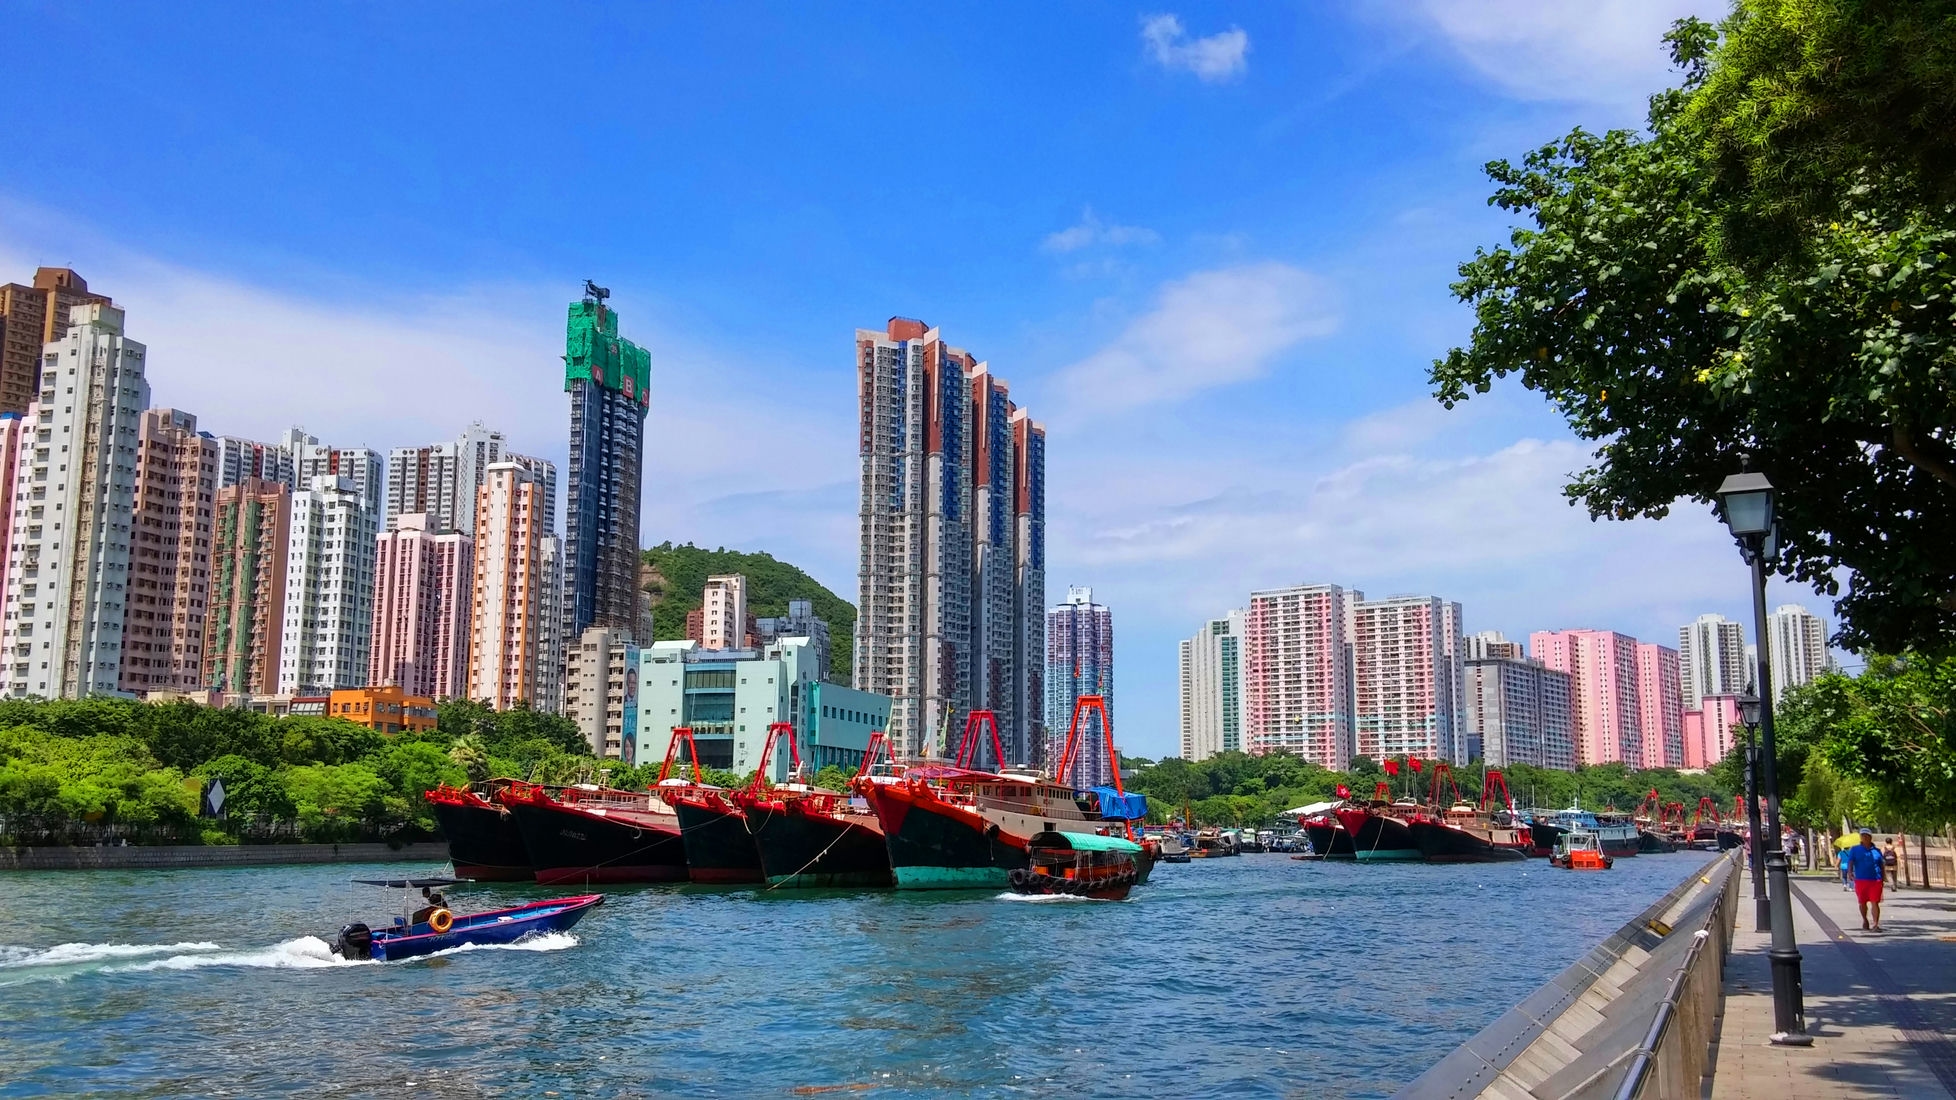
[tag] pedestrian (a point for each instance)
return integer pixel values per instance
(1847, 881)
(1888, 863)
(1865, 865)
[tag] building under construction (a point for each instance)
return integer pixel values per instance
(607, 378)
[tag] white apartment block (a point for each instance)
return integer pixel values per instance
(74, 496)
(1797, 641)
(1712, 659)
(1212, 688)
(723, 612)
(361, 466)
(329, 588)
(443, 479)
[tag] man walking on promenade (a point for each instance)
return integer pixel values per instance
(1864, 863)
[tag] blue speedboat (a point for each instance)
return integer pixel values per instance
(433, 926)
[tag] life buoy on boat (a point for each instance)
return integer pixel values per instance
(441, 920)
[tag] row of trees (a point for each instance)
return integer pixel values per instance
(1875, 749)
(1235, 788)
(96, 769)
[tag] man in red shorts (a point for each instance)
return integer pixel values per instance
(1864, 865)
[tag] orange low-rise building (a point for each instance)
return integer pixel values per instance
(383, 709)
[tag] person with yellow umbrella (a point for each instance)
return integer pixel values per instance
(1842, 844)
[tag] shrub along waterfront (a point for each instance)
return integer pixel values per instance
(94, 770)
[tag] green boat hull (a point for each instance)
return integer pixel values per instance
(918, 877)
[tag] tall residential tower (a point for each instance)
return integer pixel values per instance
(951, 576)
(74, 499)
(607, 378)
(1080, 661)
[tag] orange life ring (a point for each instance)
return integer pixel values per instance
(441, 920)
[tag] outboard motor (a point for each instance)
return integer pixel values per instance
(356, 941)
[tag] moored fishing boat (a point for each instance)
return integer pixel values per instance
(954, 826)
(1468, 833)
(587, 834)
(809, 837)
(1379, 829)
(1649, 822)
(1328, 837)
(484, 841)
(1617, 836)
(1214, 844)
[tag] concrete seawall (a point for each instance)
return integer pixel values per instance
(169, 857)
(1590, 1032)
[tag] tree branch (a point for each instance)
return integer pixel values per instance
(1917, 451)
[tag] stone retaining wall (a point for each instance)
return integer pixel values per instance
(164, 857)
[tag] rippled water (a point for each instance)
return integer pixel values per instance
(1257, 976)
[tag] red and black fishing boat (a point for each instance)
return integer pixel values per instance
(809, 837)
(588, 834)
(1380, 829)
(1468, 833)
(957, 827)
(719, 849)
(1327, 834)
(484, 842)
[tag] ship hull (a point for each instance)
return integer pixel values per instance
(719, 849)
(484, 843)
(1543, 838)
(1649, 843)
(805, 850)
(1620, 842)
(1330, 842)
(935, 846)
(1441, 843)
(568, 845)
(1378, 838)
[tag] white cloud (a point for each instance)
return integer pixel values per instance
(381, 367)
(1221, 56)
(1209, 329)
(1091, 231)
(1600, 51)
(1170, 535)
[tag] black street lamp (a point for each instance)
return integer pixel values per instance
(1762, 913)
(1745, 503)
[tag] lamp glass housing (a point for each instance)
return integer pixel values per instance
(1745, 501)
(1749, 709)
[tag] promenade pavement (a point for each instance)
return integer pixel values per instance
(1881, 1007)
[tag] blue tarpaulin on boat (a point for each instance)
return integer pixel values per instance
(1115, 806)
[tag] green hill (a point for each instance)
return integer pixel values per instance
(674, 575)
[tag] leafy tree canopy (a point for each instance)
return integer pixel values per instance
(1688, 350)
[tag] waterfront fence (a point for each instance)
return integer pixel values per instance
(1672, 1059)
(1637, 1012)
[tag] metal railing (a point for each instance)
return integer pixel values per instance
(1671, 1061)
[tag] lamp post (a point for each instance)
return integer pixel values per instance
(1762, 914)
(1745, 503)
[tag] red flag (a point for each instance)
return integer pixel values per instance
(1414, 761)
(1392, 767)
(1344, 791)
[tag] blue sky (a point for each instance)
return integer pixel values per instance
(1208, 245)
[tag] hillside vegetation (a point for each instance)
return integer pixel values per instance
(674, 575)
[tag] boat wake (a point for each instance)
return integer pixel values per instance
(20, 965)
(1043, 898)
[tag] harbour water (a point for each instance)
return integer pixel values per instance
(1255, 976)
